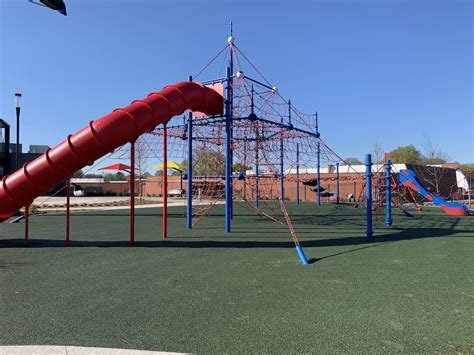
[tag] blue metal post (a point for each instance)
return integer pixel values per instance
(252, 115)
(318, 172)
(337, 183)
(189, 195)
(282, 181)
(316, 123)
(368, 190)
(230, 115)
(282, 186)
(388, 193)
(256, 174)
(297, 174)
(228, 155)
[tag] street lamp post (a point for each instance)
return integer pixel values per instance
(18, 109)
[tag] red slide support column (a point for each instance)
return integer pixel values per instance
(26, 241)
(164, 232)
(132, 193)
(68, 210)
(101, 137)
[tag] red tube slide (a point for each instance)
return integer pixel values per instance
(101, 137)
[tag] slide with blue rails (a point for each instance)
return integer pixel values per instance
(408, 179)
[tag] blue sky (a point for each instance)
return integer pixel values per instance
(378, 71)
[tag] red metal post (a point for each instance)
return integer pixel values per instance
(68, 209)
(164, 232)
(26, 241)
(132, 193)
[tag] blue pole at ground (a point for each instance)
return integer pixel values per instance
(228, 162)
(388, 193)
(337, 183)
(189, 195)
(297, 174)
(318, 194)
(368, 191)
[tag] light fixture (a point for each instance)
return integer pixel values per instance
(57, 5)
(17, 99)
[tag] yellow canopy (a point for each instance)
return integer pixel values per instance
(171, 165)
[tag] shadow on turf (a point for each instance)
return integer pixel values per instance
(364, 242)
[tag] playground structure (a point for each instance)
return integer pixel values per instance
(408, 179)
(238, 137)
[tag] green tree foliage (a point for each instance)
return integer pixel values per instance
(242, 168)
(406, 154)
(78, 174)
(353, 161)
(468, 171)
(206, 162)
(118, 176)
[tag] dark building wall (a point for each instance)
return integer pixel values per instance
(440, 181)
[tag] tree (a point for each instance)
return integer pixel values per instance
(208, 162)
(142, 148)
(406, 154)
(141, 159)
(78, 174)
(377, 153)
(241, 168)
(432, 153)
(159, 172)
(353, 161)
(468, 171)
(120, 176)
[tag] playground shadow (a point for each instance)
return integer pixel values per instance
(362, 241)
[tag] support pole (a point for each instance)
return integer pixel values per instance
(368, 190)
(282, 177)
(388, 193)
(253, 117)
(256, 174)
(26, 241)
(337, 183)
(228, 153)
(164, 229)
(68, 210)
(469, 189)
(316, 123)
(189, 195)
(297, 174)
(318, 192)
(282, 181)
(132, 193)
(229, 116)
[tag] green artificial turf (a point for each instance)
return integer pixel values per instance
(409, 289)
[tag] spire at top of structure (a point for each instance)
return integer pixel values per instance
(230, 39)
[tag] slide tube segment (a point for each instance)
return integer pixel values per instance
(100, 137)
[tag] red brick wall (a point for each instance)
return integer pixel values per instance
(348, 184)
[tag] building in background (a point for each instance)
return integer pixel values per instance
(8, 151)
